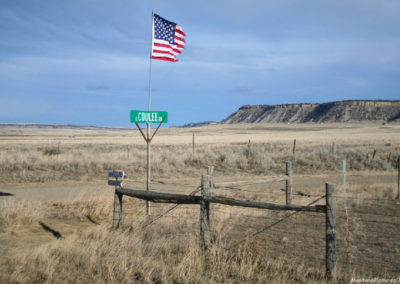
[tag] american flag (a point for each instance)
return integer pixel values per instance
(168, 39)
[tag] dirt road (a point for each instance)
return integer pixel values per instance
(84, 191)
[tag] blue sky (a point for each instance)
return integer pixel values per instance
(86, 62)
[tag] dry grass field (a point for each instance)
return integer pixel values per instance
(56, 207)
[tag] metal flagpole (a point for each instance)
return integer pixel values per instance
(148, 183)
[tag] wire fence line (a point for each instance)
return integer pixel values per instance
(365, 232)
(302, 241)
(273, 224)
(367, 242)
(168, 209)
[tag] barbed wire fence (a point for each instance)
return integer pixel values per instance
(367, 232)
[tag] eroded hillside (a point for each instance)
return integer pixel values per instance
(343, 111)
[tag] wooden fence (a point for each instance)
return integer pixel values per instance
(207, 198)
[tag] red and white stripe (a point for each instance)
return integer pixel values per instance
(163, 50)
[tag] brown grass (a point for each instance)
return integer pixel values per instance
(168, 250)
(29, 155)
(19, 214)
(31, 163)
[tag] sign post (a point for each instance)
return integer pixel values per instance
(148, 117)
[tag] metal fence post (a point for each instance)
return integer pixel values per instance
(210, 173)
(344, 184)
(331, 256)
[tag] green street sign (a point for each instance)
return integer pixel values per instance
(143, 116)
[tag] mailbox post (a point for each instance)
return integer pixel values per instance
(117, 214)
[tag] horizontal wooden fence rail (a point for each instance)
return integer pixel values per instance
(161, 197)
(262, 205)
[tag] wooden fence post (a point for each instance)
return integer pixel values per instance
(294, 147)
(248, 149)
(288, 185)
(330, 236)
(398, 178)
(205, 213)
(210, 173)
(193, 143)
(117, 216)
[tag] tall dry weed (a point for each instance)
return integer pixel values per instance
(30, 163)
(19, 213)
(101, 255)
(98, 206)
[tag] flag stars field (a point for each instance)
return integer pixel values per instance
(168, 40)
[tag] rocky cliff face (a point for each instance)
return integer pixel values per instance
(342, 111)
